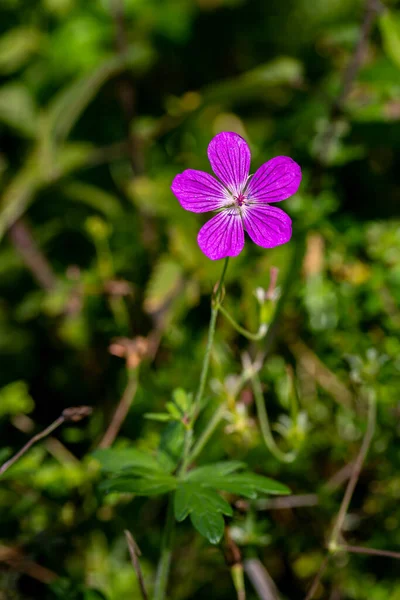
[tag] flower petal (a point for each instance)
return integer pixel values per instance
(275, 180)
(229, 156)
(222, 235)
(199, 192)
(267, 226)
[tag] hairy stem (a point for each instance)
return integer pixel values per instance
(207, 433)
(167, 543)
(211, 332)
(248, 334)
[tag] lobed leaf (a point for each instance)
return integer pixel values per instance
(152, 485)
(205, 507)
(220, 469)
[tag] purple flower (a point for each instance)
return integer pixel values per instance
(242, 203)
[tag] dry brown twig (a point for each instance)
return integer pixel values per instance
(33, 258)
(336, 543)
(134, 351)
(73, 414)
(120, 413)
(14, 557)
(134, 553)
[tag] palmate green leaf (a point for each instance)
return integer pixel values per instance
(171, 444)
(205, 507)
(151, 485)
(182, 399)
(249, 484)
(221, 477)
(219, 469)
(127, 459)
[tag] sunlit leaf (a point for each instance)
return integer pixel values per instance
(15, 399)
(17, 46)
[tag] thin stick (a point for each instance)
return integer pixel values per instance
(36, 438)
(134, 552)
(355, 474)
(354, 550)
(15, 558)
(24, 242)
(287, 502)
(318, 578)
(339, 478)
(372, 9)
(370, 551)
(261, 579)
(333, 544)
(74, 414)
(120, 412)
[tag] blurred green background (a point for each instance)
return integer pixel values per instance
(102, 102)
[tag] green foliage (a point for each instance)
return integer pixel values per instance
(15, 399)
(390, 29)
(205, 507)
(106, 274)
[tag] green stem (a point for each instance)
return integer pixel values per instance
(286, 457)
(166, 553)
(168, 536)
(248, 334)
(215, 307)
(211, 332)
(207, 433)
